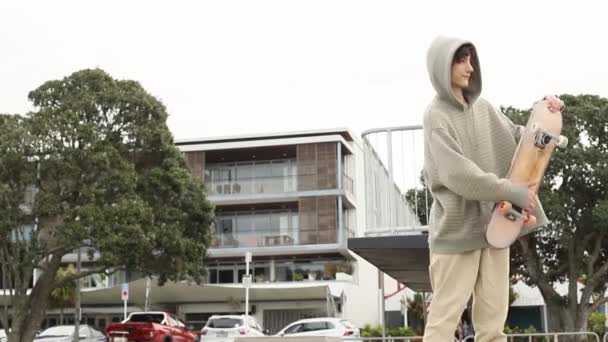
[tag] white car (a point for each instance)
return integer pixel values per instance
(327, 326)
(65, 333)
(224, 328)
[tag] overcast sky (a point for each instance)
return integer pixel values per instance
(237, 67)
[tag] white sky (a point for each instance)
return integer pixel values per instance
(237, 67)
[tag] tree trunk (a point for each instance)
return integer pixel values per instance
(562, 320)
(61, 315)
(30, 310)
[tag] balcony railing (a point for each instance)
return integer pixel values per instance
(271, 184)
(397, 201)
(258, 185)
(273, 238)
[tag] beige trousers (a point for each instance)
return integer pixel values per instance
(454, 277)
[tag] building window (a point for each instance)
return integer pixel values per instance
(225, 276)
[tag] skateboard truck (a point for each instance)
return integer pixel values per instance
(543, 137)
(513, 212)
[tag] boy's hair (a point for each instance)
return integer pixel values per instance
(464, 51)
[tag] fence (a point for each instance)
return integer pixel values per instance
(549, 337)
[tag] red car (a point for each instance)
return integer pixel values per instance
(150, 326)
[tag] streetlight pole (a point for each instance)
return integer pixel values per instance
(77, 310)
(247, 282)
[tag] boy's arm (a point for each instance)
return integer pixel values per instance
(465, 178)
(516, 130)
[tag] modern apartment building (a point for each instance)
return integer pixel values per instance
(291, 199)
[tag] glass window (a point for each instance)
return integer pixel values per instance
(244, 171)
(225, 224)
(241, 272)
(147, 317)
(226, 276)
(307, 271)
(275, 221)
(283, 273)
(293, 329)
(244, 222)
(262, 169)
(295, 220)
(315, 326)
(280, 168)
(261, 273)
(262, 222)
(212, 275)
(224, 322)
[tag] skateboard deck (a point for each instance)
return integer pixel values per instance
(536, 145)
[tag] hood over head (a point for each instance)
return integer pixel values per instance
(439, 65)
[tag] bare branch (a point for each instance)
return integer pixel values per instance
(596, 305)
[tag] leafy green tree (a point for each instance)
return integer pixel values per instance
(93, 166)
(574, 194)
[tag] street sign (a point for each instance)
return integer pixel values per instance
(124, 294)
(247, 280)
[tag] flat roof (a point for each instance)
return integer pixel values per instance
(346, 133)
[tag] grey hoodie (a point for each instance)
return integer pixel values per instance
(468, 151)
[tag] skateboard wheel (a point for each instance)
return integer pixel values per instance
(562, 141)
(504, 207)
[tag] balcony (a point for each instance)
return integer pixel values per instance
(272, 177)
(258, 238)
(258, 185)
(271, 228)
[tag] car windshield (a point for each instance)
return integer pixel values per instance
(224, 322)
(148, 318)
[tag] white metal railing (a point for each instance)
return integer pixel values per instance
(554, 335)
(393, 168)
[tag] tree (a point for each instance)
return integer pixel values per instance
(573, 248)
(63, 296)
(415, 307)
(93, 166)
(420, 200)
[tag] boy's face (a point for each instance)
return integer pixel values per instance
(461, 72)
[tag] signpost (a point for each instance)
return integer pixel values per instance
(124, 294)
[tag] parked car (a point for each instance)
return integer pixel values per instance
(150, 326)
(224, 328)
(327, 326)
(65, 333)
